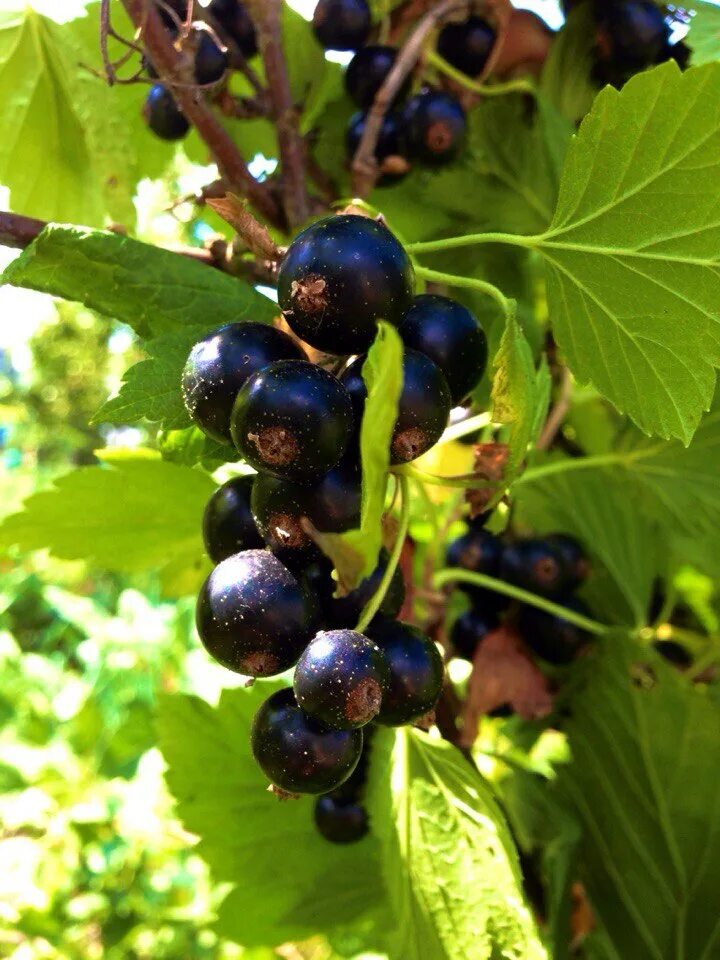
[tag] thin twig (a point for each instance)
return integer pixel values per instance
(364, 166)
(557, 414)
(267, 15)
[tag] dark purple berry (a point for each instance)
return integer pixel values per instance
(278, 508)
(211, 61)
(253, 616)
(423, 408)
(340, 679)
(366, 73)
(470, 629)
(450, 335)
(467, 45)
(293, 419)
(632, 35)
(416, 671)
(221, 363)
(390, 142)
(340, 821)
(228, 525)
(333, 503)
(339, 277)
(435, 127)
(478, 551)
(344, 612)
(342, 24)
(163, 116)
(551, 637)
(535, 565)
(577, 565)
(233, 17)
(299, 754)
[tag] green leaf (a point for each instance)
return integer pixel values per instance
(643, 782)
(520, 394)
(632, 252)
(565, 79)
(67, 155)
(355, 553)
(704, 37)
(155, 291)
(289, 882)
(130, 516)
(314, 81)
(450, 867)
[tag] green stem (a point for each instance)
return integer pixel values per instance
(471, 240)
(466, 481)
(462, 429)
(471, 283)
(376, 600)
(485, 90)
(524, 596)
(577, 463)
(704, 662)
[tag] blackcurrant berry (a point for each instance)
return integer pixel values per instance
(228, 525)
(634, 34)
(163, 116)
(478, 551)
(333, 503)
(551, 637)
(220, 364)
(344, 612)
(574, 558)
(340, 821)
(299, 754)
(293, 419)
(211, 61)
(366, 73)
(340, 679)
(423, 408)
(535, 565)
(339, 277)
(232, 15)
(467, 46)
(416, 671)
(342, 24)
(435, 127)
(470, 629)
(278, 507)
(253, 616)
(390, 143)
(450, 335)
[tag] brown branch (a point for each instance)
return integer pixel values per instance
(266, 15)
(19, 232)
(364, 166)
(557, 414)
(167, 62)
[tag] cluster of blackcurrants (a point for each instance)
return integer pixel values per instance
(269, 604)
(430, 127)
(552, 567)
(210, 58)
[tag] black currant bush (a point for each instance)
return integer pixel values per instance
(436, 463)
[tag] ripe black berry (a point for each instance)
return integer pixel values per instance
(435, 127)
(211, 61)
(219, 365)
(342, 24)
(340, 679)
(232, 15)
(366, 73)
(333, 503)
(448, 333)
(293, 419)
(278, 507)
(340, 821)
(416, 671)
(423, 408)
(341, 276)
(470, 629)
(390, 143)
(574, 558)
(228, 525)
(552, 637)
(299, 754)
(478, 551)
(535, 565)
(467, 46)
(253, 616)
(633, 35)
(163, 116)
(344, 612)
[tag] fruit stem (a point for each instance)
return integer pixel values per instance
(472, 283)
(466, 481)
(452, 575)
(470, 240)
(462, 429)
(376, 600)
(485, 90)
